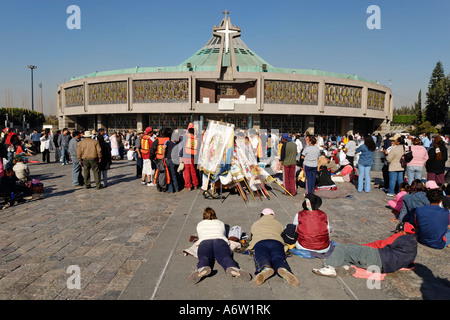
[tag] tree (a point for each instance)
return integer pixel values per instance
(418, 110)
(436, 110)
(425, 127)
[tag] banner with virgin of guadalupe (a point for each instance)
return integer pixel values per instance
(216, 151)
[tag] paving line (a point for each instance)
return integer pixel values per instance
(348, 288)
(173, 250)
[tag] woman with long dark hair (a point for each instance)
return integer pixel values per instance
(416, 197)
(365, 163)
(437, 157)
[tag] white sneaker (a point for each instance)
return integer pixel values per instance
(151, 184)
(390, 195)
(143, 183)
(327, 271)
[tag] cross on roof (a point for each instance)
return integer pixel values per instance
(225, 13)
(227, 33)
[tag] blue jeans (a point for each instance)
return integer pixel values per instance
(215, 249)
(395, 177)
(57, 154)
(173, 185)
(364, 173)
(414, 172)
(65, 155)
(310, 175)
(77, 176)
(270, 253)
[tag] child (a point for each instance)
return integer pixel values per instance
(301, 180)
(397, 203)
(21, 169)
(130, 154)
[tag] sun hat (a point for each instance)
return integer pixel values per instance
(431, 185)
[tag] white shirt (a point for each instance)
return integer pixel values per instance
(299, 146)
(211, 229)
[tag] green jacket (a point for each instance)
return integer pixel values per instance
(288, 153)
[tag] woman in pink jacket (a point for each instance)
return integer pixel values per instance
(414, 169)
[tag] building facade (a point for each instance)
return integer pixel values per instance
(227, 81)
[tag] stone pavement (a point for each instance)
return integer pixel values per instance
(127, 241)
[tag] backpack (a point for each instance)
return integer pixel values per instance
(290, 234)
(162, 178)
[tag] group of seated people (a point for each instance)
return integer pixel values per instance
(13, 180)
(333, 166)
(311, 231)
(425, 206)
(428, 225)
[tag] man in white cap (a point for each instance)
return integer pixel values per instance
(270, 249)
(89, 154)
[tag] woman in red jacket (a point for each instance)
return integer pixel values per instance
(313, 228)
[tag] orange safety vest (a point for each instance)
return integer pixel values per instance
(145, 144)
(259, 150)
(161, 149)
(190, 148)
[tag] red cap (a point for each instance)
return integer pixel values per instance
(148, 129)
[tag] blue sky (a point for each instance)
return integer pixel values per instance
(328, 35)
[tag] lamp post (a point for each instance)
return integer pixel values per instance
(32, 93)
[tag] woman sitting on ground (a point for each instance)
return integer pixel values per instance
(416, 197)
(312, 226)
(397, 203)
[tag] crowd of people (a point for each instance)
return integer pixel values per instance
(421, 203)
(167, 160)
(305, 159)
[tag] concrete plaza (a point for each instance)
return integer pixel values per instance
(127, 241)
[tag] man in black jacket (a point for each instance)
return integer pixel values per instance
(56, 145)
(388, 255)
